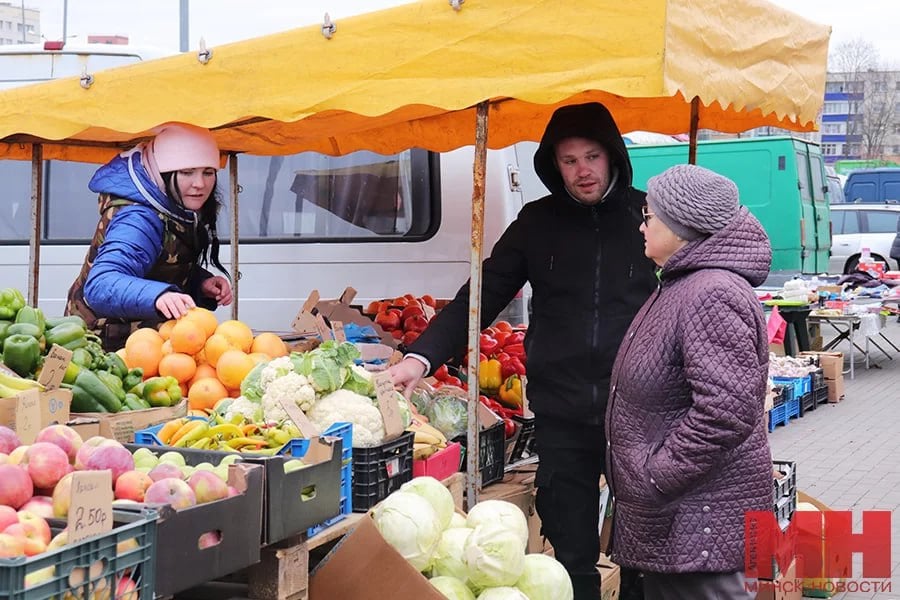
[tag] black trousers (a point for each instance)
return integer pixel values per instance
(572, 458)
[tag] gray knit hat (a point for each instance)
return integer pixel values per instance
(692, 201)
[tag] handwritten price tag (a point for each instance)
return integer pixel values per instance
(28, 415)
(55, 365)
(387, 404)
(90, 505)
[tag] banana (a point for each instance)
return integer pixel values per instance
(423, 437)
(422, 451)
(18, 383)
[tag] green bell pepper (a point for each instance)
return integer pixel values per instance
(82, 358)
(67, 335)
(134, 377)
(72, 370)
(113, 363)
(29, 329)
(113, 383)
(93, 385)
(135, 402)
(4, 325)
(30, 314)
(21, 353)
(54, 321)
(162, 391)
(82, 401)
(11, 302)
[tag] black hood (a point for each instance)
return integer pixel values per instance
(591, 121)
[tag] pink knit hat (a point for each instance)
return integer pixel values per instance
(182, 146)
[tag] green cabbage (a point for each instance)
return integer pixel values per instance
(544, 578)
(494, 555)
(502, 513)
(448, 557)
(409, 524)
(436, 493)
(452, 588)
(502, 593)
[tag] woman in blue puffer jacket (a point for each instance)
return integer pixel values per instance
(157, 230)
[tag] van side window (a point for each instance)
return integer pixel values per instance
(818, 185)
(311, 197)
(803, 176)
(881, 221)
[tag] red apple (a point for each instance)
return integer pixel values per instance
(17, 455)
(173, 491)
(126, 589)
(87, 448)
(8, 516)
(62, 495)
(39, 524)
(4, 458)
(388, 320)
(16, 486)
(207, 486)
(9, 441)
(411, 310)
(209, 539)
(59, 540)
(415, 323)
(233, 491)
(111, 456)
(41, 506)
(165, 471)
(63, 436)
(11, 546)
(46, 464)
(31, 534)
(132, 485)
(409, 337)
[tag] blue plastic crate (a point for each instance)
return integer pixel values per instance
(794, 386)
(778, 416)
(792, 407)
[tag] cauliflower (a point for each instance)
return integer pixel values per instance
(248, 409)
(349, 407)
(275, 368)
(290, 386)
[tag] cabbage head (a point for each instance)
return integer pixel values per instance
(498, 512)
(436, 493)
(448, 558)
(502, 593)
(409, 524)
(544, 578)
(494, 555)
(452, 588)
(457, 521)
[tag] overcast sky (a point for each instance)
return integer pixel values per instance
(155, 22)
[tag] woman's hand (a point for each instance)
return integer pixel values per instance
(174, 305)
(217, 288)
(406, 374)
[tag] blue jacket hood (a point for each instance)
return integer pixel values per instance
(125, 177)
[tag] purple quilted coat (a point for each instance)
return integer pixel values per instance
(688, 452)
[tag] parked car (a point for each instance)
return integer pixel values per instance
(835, 185)
(880, 185)
(858, 226)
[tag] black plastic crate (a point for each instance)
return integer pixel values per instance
(784, 510)
(491, 452)
(781, 394)
(381, 470)
(818, 378)
(523, 444)
(807, 403)
(92, 567)
(820, 394)
(786, 485)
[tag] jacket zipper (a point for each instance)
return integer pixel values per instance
(598, 262)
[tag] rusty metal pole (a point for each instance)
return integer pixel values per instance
(473, 473)
(695, 120)
(234, 189)
(37, 204)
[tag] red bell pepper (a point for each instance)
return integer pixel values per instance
(442, 373)
(516, 350)
(488, 344)
(516, 337)
(507, 367)
(518, 367)
(501, 337)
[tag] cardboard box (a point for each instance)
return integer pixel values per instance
(786, 587)
(777, 349)
(308, 321)
(48, 406)
(832, 363)
(817, 587)
(121, 426)
(835, 390)
(363, 566)
(610, 578)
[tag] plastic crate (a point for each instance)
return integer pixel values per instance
(818, 378)
(96, 561)
(778, 416)
(523, 444)
(150, 437)
(792, 407)
(821, 394)
(794, 386)
(807, 403)
(780, 395)
(381, 470)
(784, 511)
(491, 452)
(786, 485)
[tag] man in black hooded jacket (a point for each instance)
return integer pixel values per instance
(582, 252)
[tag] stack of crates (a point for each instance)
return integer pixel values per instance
(785, 493)
(794, 388)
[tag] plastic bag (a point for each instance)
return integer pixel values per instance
(448, 413)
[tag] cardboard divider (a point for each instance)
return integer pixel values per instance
(122, 425)
(316, 317)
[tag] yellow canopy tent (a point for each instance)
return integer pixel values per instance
(425, 75)
(411, 76)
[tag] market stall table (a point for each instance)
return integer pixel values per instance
(849, 327)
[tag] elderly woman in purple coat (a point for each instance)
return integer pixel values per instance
(688, 453)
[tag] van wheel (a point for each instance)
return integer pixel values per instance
(851, 264)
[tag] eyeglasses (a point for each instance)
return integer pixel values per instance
(647, 215)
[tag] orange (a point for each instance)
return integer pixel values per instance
(237, 333)
(166, 347)
(232, 367)
(144, 334)
(205, 392)
(165, 330)
(203, 317)
(180, 366)
(269, 343)
(144, 353)
(216, 346)
(188, 337)
(203, 370)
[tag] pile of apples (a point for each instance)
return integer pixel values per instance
(403, 317)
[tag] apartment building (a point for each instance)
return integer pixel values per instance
(19, 24)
